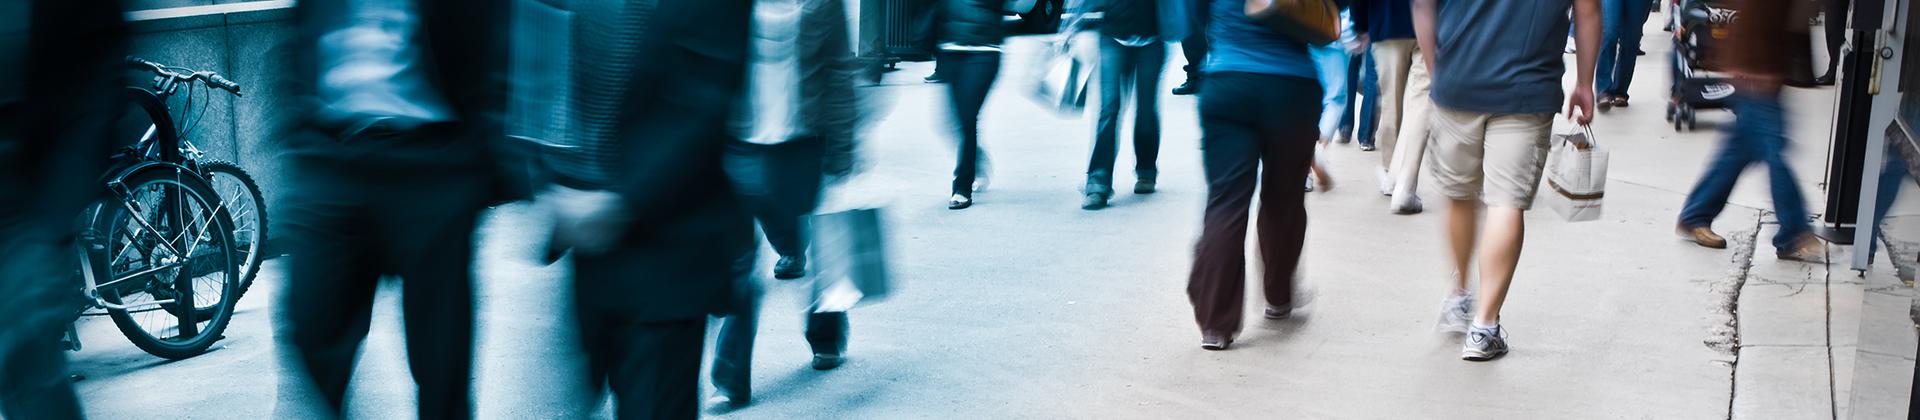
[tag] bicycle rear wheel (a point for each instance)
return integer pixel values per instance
(240, 198)
(170, 271)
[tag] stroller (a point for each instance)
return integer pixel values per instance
(1699, 28)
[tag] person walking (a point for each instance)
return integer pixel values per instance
(1259, 123)
(1758, 136)
(1619, 50)
(794, 128)
(1194, 47)
(655, 227)
(1133, 49)
(969, 60)
(60, 91)
(1386, 28)
(390, 175)
(1835, 23)
(1496, 86)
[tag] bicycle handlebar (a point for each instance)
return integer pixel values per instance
(211, 79)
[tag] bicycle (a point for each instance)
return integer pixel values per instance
(169, 252)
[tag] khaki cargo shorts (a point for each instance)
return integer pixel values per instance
(1496, 158)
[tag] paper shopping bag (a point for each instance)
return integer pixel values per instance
(1063, 78)
(849, 250)
(1576, 175)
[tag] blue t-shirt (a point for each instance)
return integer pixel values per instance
(1500, 56)
(1241, 45)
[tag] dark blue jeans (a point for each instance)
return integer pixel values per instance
(1127, 71)
(1362, 78)
(969, 76)
(1619, 45)
(1759, 136)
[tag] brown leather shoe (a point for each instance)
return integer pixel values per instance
(1807, 249)
(1704, 236)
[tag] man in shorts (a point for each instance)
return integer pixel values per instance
(1496, 69)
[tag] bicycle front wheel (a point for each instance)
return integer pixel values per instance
(171, 273)
(240, 198)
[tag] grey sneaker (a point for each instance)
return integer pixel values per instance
(1456, 314)
(1278, 312)
(1484, 344)
(1406, 203)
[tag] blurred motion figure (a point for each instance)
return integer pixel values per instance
(396, 107)
(59, 88)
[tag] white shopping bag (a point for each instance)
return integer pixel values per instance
(1062, 77)
(849, 249)
(1576, 175)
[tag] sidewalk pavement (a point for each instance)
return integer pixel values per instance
(1026, 306)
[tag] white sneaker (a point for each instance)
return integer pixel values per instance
(1455, 314)
(1406, 203)
(1484, 344)
(1386, 180)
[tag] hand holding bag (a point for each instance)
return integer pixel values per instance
(1315, 22)
(1064, 77)
(1576, 175)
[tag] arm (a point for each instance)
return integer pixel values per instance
(836, 101)
(1424, 12)
(1586, 24)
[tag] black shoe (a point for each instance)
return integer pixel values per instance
(935, 78)
(1094, 201)
(789, 268)
(827, 361)
(1366, 147)
(1188, 88)
(1143, 186)
(959, 201)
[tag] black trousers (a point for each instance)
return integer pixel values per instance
(780, 185)
(1836, 25)
(969, 77)
(1195, 46)
(1254, 129)
(352, 222)
(1127, 71)
(33, 367)
(653, 367)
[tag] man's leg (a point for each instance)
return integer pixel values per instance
(1515, 154)
(972, 78)
(1459, 149)
(1631, 32)
(1230, 152)
(33, 367)
(1370, 100)
(1393, 61)
(654, 368)
(1331, 64)
(1146, 116)
(1116, 68)
(1611, 49)
(1763, 125)
(328, 304)
(1194, 47)
(1415, 118)
(432, 240)
(827, 335)
(733, 351)
(1709, 195)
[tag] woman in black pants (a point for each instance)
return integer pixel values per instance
(1261, 107)
(969, 61)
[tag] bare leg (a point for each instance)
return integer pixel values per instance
(1499, 253)
(1463, 219)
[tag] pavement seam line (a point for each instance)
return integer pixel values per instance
(1748, 242)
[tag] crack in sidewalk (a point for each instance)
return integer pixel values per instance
(1725, 333)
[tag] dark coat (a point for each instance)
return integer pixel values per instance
(972, 22)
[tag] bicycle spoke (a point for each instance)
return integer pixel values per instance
(135, 215)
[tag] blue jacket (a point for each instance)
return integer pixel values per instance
(1383, 19)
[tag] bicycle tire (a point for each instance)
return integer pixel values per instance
(250, 248)
(219, 228)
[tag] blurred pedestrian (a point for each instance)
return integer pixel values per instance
(1259, 123)
(1496, 86)
(60, 62)
(1363, 86)
(794, 128)
(1619, 50)
(1386, 27)
(1194, 46)
(1133, 50)
(1835, 24)
(1331, 61)
(969, 60)
(654, 223)
(390, 153)
(1758, 136)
